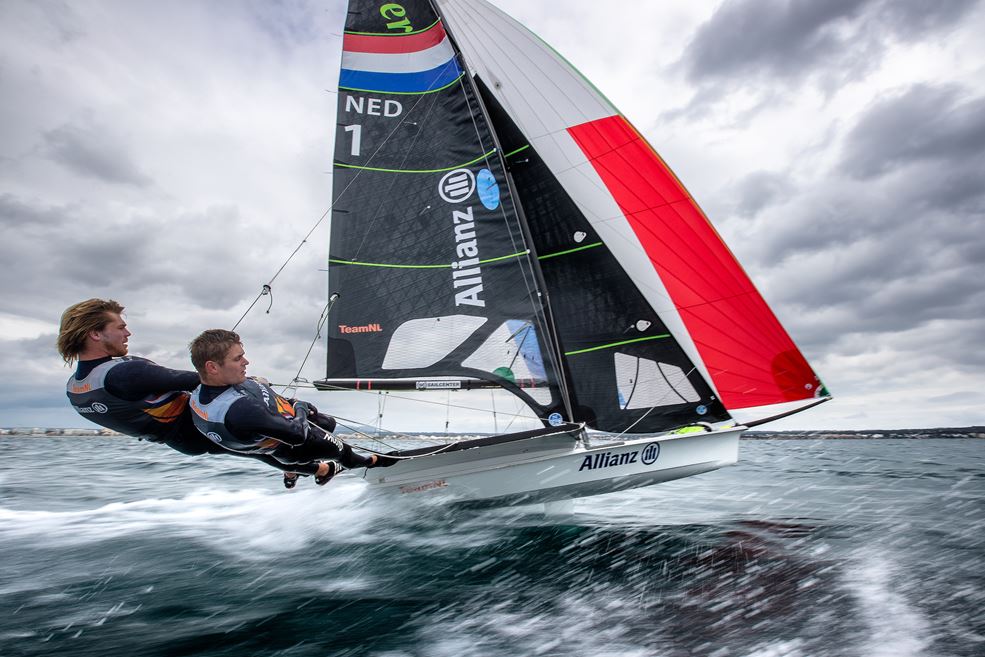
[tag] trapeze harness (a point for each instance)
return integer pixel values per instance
(151, 418)
(210, 418)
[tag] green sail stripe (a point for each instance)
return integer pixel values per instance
(451, 168)
(383, 264)
(448, 266)
(404, 93)
(616, 344)
(574, 250)
(519, 150)
(391, 34)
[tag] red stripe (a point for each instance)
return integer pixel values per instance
(749, 355)
(394, 44)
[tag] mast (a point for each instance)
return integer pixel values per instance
(551, 338)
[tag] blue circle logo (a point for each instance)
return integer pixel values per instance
(701, 410)
(488, 188)
(650, 454)
(555, 419)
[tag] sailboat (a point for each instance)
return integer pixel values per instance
(497, 223)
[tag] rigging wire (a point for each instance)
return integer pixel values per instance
(381, 404)
(293, 385)
(267, 288)
(437, 450)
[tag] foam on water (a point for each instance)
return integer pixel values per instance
(896, 627)
(240, 522)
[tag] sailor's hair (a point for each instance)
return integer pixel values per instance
(78, 320)
(214, 345)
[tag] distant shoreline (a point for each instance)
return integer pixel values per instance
(820, 434)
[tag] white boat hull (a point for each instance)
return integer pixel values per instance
(556, 467)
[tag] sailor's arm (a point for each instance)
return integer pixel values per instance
(246, 417)
(138, 379)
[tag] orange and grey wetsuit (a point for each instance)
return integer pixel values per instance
(250, 417)
(139, 398)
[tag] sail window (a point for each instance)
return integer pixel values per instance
(645, 383)
(513, 353)
(421, 343)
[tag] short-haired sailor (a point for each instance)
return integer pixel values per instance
(133, 395)
(246, 415)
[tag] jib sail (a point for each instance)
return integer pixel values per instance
(638, 213)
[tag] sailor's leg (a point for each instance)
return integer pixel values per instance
(322, 445)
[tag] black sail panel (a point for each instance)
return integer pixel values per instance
(624, 369)
(427, 254)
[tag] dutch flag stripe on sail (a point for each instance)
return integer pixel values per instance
(413, 63)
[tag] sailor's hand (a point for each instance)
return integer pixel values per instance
(308, 406)
(260, 379)
(303, 409)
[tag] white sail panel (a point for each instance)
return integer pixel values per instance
(420, 343)
(512, 59)
(645, 383)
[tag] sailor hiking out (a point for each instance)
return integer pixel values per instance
(132, 395)
(246, 415)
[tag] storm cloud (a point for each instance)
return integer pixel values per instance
(792, 39)
(172, 156)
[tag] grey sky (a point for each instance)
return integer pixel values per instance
(172, 155)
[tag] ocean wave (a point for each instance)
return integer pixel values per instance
(244, 522)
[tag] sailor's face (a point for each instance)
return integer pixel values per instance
(232, 371)
(114, 336)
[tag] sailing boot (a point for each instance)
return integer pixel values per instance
(333, 469)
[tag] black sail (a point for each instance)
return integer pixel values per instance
(427, 252)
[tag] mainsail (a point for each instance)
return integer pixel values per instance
(498, 223)
(436, 280)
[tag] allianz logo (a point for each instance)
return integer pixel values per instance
(647, 456)
(455, 187)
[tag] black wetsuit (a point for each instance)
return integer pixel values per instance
(251, 417)
(140, 398)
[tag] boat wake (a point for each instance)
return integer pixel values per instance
(244, 522)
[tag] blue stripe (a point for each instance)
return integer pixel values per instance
(401, 82)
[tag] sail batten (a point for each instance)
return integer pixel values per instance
(484, 156)
(450, 265)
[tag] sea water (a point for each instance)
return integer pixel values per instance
(110, 546)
